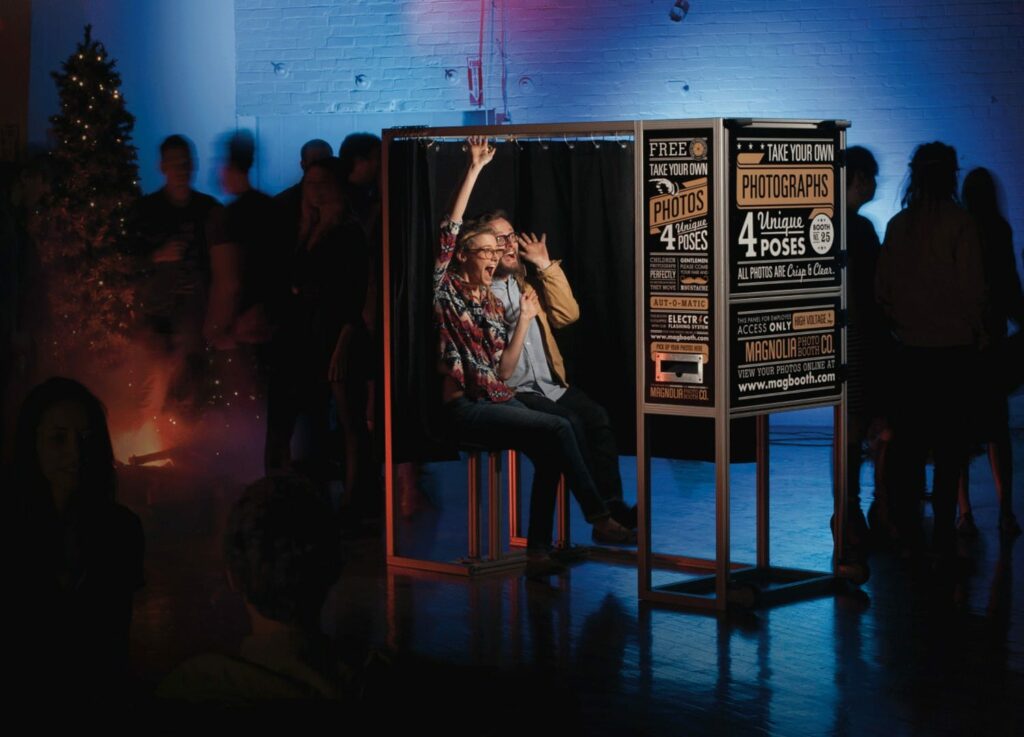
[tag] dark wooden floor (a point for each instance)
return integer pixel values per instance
(895, 658)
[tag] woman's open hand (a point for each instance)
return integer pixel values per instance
(529, 304)
(480, 151)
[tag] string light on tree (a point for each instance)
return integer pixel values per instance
(81, 234)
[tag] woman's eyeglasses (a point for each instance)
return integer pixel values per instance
(494, 253)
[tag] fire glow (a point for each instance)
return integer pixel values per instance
(150, 443)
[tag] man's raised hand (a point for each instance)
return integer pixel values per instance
(534, 250)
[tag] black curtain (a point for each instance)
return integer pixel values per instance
(582, 195)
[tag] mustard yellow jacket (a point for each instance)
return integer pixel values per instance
(559, 309)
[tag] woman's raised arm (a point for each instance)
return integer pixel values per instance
(480, 155)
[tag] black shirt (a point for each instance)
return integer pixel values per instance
(263, 262)
(198, 225)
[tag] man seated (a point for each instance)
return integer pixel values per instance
(539, 379)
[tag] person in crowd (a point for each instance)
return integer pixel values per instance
(359, 155)
(867, 346)
(312, 150)
(930, 282)
(479, 353)
(288, 202)
(320, 352)
(1005, 303)
(282, 554)
(359, 161)
(539, 378)
(248, 287)
(175, 229)
(79, 552)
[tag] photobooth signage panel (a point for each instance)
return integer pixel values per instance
(785, 351)
(784, 210)
(679, 264)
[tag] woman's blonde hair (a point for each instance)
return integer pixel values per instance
(471, 230)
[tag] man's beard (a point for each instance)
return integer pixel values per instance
(503, 272)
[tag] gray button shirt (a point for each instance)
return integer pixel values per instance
(532, 374)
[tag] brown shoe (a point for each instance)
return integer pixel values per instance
(609, 532)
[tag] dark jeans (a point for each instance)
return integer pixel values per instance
(593, 434)
(547, 440)
(936, 389)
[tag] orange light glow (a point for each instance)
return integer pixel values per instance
(153, 436)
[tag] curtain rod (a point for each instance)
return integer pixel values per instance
(595, 138)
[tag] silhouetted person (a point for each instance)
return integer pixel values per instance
(249, 287)
(282, 554)
(79, 553)
(312, 150)
(931, 284)
(288, 203)
(320, 352)
(359, 160)
(1005, 303)
(175, 229)
(866, 338)
(359, 155)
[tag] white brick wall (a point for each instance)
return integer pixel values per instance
(904, 71)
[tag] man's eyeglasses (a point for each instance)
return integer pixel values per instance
(507, 240)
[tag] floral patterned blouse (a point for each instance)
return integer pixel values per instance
(473, 333)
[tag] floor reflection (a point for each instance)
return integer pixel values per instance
(895, 658)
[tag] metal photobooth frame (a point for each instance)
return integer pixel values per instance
(725, 581)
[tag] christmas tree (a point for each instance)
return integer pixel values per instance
(81, 234)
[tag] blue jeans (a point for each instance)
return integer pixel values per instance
(547, 440)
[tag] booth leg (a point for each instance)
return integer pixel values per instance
(473, 482)
(643, 501)
(514, 506)
(493, 508)
(722, 526)
(564, 541)
(763, 558)
(839, 482)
